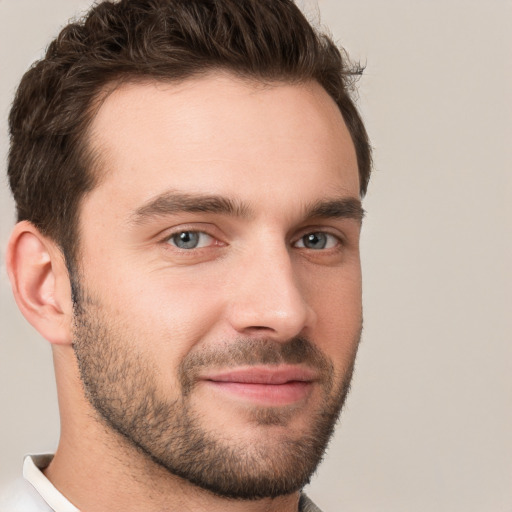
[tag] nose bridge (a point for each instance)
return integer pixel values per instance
(268, 297)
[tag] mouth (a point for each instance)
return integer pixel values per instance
(263, 385)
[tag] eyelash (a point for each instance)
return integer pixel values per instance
(171, 237)
(338, 241)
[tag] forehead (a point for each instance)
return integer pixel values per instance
(222, 135)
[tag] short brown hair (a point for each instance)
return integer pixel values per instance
(50, 167)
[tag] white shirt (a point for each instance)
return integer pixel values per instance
(34, 492)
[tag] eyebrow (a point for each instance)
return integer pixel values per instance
(170, 203)
(347, 207)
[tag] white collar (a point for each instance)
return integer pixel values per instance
(32, 466)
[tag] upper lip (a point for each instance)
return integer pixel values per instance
(263, 375)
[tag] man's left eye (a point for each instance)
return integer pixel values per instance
(318, 241)
(190, 240)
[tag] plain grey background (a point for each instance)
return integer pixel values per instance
(428, 424)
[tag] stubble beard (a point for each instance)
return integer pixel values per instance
(121, 386)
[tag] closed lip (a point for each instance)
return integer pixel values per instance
(270, 375)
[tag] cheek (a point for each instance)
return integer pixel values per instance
(338, 307)
(163, 314)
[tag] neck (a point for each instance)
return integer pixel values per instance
(94, 482)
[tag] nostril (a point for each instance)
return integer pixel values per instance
(258, 328)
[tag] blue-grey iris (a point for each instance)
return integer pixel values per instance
(315, 241)
(186, 240)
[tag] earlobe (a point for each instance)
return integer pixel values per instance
(40, 283)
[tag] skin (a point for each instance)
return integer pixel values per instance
(273, 150)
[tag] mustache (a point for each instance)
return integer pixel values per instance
(252, 352)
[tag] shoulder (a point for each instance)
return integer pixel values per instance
(306, 505)
(20, 496)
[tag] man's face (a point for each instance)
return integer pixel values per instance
(219, 305)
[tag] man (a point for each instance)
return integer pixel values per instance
(188, 177)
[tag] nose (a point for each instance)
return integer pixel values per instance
(267, 299)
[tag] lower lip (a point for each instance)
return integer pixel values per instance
(266, 394)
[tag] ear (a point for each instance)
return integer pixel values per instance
(40, 283)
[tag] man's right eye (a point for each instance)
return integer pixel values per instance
(187, 240)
